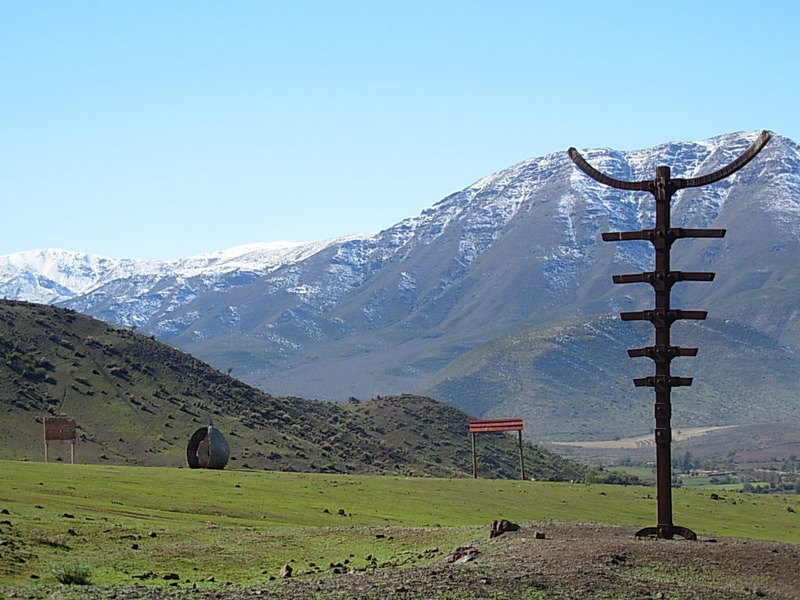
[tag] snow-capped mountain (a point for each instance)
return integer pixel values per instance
(516, 250)
(53, 276)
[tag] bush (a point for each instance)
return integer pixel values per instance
(74, 573)
(614, 476)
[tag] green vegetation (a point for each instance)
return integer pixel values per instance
(72, 573)
(134, 524)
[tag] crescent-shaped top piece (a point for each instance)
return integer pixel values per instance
(584, 166)
(737, 164)
(649, 185)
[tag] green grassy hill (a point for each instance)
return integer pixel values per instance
(137, 402)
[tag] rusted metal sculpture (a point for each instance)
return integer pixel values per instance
(207, 449)
(663, 315)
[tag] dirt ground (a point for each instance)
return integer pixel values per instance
(572, 561)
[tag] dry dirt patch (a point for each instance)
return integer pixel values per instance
(644, 441)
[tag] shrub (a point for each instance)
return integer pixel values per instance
(74, 573)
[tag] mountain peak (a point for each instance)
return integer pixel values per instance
(515, 250)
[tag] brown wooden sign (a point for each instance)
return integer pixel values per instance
(494, 426)
(59, 429)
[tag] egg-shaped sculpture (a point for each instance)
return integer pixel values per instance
(208, 449)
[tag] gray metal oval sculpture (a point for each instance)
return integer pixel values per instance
(207, 449)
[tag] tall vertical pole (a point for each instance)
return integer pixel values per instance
(521, 458)
(663, 406)
(44, 435)
(474, 458)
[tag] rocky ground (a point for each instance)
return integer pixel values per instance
(539, 560)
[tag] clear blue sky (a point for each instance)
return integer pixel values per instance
(164, 129)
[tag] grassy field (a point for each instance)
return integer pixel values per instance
(242, 526)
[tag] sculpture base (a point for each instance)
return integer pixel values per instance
(667, 532)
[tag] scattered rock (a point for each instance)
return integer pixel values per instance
(286, 571)
(71, 531)
(4, 512)
(210, 579)
(134, 546)
(146, 575)
(502, 526)
(170, 577)
(341, 512)
(462, 554)
(152, 534)
(789, 509)
(68, 516)
(539, 535)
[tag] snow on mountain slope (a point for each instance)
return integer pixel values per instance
(50, 276)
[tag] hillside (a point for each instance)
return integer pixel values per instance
(552, 377)
(137, 401)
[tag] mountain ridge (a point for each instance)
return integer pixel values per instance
(518, 250)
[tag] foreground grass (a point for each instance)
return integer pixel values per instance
(242, 526)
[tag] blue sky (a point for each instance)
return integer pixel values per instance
(166, 129)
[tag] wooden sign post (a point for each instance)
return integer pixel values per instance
(60, 429)
(491, 426)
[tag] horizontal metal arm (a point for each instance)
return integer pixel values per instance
(663, 237)
(662, 352)
(661, 382)
(657, 278)
(660, 316)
